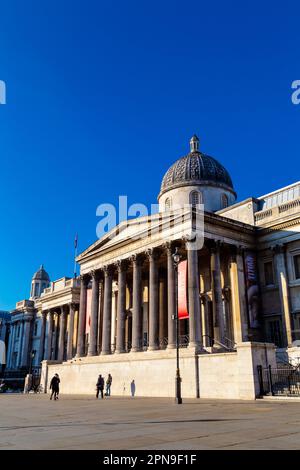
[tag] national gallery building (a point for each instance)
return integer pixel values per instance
(235, 284)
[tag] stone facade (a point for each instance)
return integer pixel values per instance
(242, 294)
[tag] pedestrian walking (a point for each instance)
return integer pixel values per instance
(132, 388)
(108, 385)
(54, 386)
(100, 386)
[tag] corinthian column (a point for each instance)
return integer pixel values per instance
(195, 334)
(42, 337)
(94, 314)
(121, 307)
(82, 316)
(219, 325)
(238, 295)
(282, 276)
(25, 346)
(70, 331)
(137, 324)
(106, 332)
(49, 335)
(171, 298)
(61, 339)
(153, 300)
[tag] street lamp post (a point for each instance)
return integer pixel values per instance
(176, 259)
(32, 354)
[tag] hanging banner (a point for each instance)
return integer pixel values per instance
(252, 289)
(182, 291)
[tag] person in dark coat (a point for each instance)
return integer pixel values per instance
(54, 386)
(100, 386)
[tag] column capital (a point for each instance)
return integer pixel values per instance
(73, 305)
(121, 265)
(136, 259)
(152, 254)
(95, 274)
(108, 270)
(84, 279)
(280, 248)
(214, 245)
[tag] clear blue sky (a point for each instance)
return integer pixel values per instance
(103, 96)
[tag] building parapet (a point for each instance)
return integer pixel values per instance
(61, 284)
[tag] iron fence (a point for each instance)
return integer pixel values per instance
(279, 381)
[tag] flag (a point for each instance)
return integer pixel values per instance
(76, 241)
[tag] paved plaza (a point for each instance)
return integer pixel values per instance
(82, 422)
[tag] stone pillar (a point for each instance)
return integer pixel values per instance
(216, 287)
(55, 339)
(93, 350)
(70, 331)
(19, 357)
(113, 321)
(238, 296)
(10, 345)
(26, 342)
(42, 337)
(62, 331)
(137, 319)
(283, 284)
(121, 308)
(163, 307)
(106, 333)
(48, 354)
(82, 316)
(195, 334)
(153, 300)
(171, 299)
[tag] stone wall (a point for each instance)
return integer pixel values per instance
(223, 375)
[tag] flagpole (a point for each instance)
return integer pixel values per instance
(75, 255)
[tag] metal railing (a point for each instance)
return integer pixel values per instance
(228, 344)
(282, 381)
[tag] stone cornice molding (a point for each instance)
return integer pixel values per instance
(278, 227)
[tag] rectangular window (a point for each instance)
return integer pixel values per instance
(269, 273)
(297, 266)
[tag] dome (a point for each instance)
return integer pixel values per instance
(196, 168)
(41, 275)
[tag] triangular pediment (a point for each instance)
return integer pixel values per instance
(141, 228)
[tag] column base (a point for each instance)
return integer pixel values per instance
(105, 353)
(92, 353)
(171, 346)
(136, 350)
(197, 347)
(153, 348)
(120, 351)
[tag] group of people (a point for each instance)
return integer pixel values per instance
(55, 381)
(100, 386)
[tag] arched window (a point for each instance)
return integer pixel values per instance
(168, 204)
(224, 201)
(196, 198)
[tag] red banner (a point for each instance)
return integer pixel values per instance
(182, 291)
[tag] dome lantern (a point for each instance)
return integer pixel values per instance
(40, 281)
(194, 143)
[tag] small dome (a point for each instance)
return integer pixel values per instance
(196, 168)
(41, 275)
